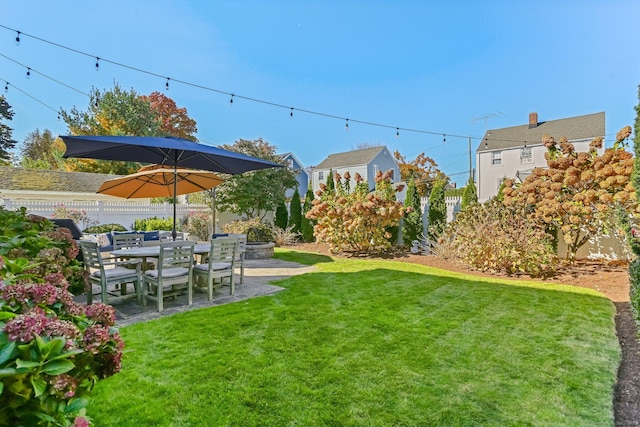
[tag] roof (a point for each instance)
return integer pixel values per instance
(351, 158)
(573, 128)
(20, 179)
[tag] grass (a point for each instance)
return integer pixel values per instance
(373, 343)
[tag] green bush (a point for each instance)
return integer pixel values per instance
(153, 224)
(104, 228)
(282, 216)
(498, 238)
(634, 291)
(198, 224)
(33, 237)
(295, 218)
(307, 223)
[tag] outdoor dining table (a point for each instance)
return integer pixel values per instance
(154, 252)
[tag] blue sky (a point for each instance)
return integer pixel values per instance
(434, 66)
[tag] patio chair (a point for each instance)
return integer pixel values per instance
(128, 240)
(173, 275)
(241, 249)
(220, 264)
(108, 271)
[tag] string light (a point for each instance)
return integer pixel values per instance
(346, 126)
(231, 100)
(397, 133)
(444, 138)
(97, 64)
(6, 87)
(28, 72)
(291, 113)
(18, 39)
(166, 85)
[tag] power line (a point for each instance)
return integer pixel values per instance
(6, 88)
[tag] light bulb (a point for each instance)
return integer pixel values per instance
(97, 64)
(166, 85)
(231, 100)
(28, 72)
(346, 126)
(6, 87)
(18, 39)
(291, 113)
(397, 133)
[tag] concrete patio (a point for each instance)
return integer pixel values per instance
(258, 275)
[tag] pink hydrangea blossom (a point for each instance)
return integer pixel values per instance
(101, 313)
(24, 327)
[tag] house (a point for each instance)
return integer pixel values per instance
(301, 175)
(366, 162)
(514, 152)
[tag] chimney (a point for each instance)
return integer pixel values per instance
(533, 120)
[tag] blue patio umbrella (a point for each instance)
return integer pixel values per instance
(167, 151)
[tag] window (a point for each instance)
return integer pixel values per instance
(526, 155)
(321, 176)
(496, 158)
(375, 170)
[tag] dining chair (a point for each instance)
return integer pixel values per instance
(109, 271)
(219, 265)
(173, 274)
(241, 249)
(128, 241)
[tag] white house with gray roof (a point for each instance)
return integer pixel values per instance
(514, 152)
(366, 162)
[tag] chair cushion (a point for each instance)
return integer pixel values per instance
(111, 273)
(168, 272)
(214, 266)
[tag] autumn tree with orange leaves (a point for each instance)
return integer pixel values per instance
(356, 220)
(579, 192)
(424, 171)
(174, 121)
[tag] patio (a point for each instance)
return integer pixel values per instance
(259, 273)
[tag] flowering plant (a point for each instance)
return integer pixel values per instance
(198, 224)
(78, 216)
(52, 350)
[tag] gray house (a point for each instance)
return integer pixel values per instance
(366, 162)
(514, 152)
(301, 174)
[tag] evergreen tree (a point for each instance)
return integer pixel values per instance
(281, 215)
(412, 228)
(307, 224)
(470, 194)
(331, 184)
(6, 143)
(295, 218)
(437, 211)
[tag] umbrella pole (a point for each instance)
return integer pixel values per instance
(175, 190)
(213, 210)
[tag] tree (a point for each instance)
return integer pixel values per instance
(331, 183)
(282, 216)
(579, 192)
(253, 194)
(121, 112)
(470, 194)
(6, 142)
(42, 151)
(295, 216)
(307, 223)
(437, 211)
(174, 121)
(356, 221)
(412, 228)
(424, 171)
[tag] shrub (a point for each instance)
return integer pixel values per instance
(153, 223)
(255, 229)
(282, 216)
(295, 218)
(307, 223)
(36, 238)
(104, 228)
(284, 237)
(412, 228)
(437, 211)
(78, 216)
(52, 350)
(356, 221)
(498, 238)
(198, 224)
(634, 290)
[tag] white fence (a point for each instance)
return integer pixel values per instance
(106, 212)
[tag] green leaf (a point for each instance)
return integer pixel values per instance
(39, 385)
(58, 367)
(5, 315)
(26, 364)
(6, 352)
(67, 354)
(75, 405)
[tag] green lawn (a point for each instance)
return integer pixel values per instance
(373, 343)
